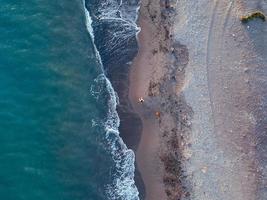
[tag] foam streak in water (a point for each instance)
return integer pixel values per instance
(91, 31)
(116, 20)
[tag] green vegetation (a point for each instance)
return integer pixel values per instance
(254, 15)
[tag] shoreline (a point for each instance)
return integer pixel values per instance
(130, 128)
(117, 71)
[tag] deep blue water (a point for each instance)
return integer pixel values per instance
(58, 123)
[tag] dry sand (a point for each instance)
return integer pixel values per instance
(205, 72)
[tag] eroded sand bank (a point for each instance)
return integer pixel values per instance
(205, 73)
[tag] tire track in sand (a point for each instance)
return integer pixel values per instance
(208, 58)
(220, 38)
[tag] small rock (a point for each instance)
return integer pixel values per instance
(204, 169)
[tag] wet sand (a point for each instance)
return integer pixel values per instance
(147, 153)
(205, 73)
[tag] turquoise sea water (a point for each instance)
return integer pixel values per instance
(52, 141)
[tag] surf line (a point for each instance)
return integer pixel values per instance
(124, 185)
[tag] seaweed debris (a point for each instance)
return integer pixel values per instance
(252, 16)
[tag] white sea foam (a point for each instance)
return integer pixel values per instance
(88, 21)
(113, 12)
(124, 157)
(123, 186)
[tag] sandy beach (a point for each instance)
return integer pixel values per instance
(202, 75)
(157, 75)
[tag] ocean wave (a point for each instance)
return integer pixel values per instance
(122, 11)
(114, 21)
(124, 157)
(123, 186)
